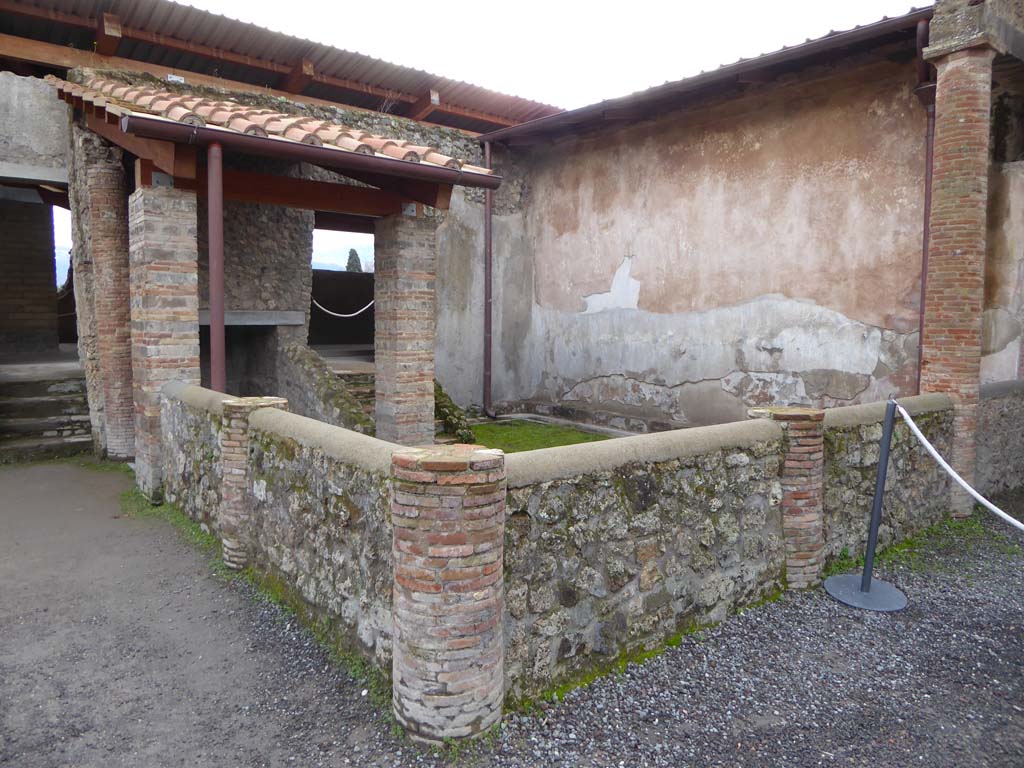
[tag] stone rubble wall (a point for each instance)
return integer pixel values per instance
(191, 421)
(917, 489)
(610, 549)
(320, 521)
(314, 390)
(1001, 437)
(614, 547)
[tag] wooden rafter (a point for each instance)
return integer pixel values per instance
(297, 76)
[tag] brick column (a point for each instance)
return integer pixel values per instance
(448, 513)
(803, 494)
(164, 313)
(404, 309)
(107, 197)
(955, 283)
(233, 520)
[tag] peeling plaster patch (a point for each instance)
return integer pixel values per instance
(766, 388)
(624, 292)
(1002, 365)
(628, 391)
(998, 329)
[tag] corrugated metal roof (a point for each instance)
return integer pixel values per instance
(192, 25)
(614, 109)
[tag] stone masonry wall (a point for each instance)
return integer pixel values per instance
(1001, 437)
(917, 489)
(609, 549)
(619, 559)
(314, 390)
(192, 470)
(321, 521)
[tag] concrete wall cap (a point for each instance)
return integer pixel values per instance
(196, 397)
(1002, 389)
(569, 461)
(873, 413)
(345, 445)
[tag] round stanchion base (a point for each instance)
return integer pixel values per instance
(882, 597)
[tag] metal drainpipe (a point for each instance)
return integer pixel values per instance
(926, 93)
(488, 291)
(215, 200)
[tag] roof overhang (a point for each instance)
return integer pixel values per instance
(645, 104)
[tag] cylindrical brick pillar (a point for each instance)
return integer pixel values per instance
(951, 335)
(448, 513)
(803, 482)
(233, 521)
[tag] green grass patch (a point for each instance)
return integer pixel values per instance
(915, 553)
(515, 435)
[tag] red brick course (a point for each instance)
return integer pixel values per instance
(955, 283)
(107, 198)
(164, 313)
(405, 273)
(235, 500)
(448, 673)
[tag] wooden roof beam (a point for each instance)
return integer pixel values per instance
(424, 107)
(108, 34)
(302, 74)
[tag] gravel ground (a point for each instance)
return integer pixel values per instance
(90, 675)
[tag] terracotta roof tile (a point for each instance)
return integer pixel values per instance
(124, 98)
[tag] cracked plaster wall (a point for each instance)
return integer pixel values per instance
(1003, 319)
(762, 250)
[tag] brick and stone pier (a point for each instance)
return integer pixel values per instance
(802, 491)
(448, 512)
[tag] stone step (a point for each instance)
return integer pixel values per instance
(45, 426)
(35, 448)
(42, 388)
(442, 439)
(45, 405)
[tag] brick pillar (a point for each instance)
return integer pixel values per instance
(803, 494)
(448, 513)
(955, 283)
(106, 196)
(233, 520)
(164, 313)
(404, 309)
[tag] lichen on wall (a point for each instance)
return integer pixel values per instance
(314, 390)
(616, 562)
(1001, 438)
(324, 526)
(917, 489)
(192, 470)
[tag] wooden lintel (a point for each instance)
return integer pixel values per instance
(425, 106)
(300, 76)
(426, 192)
(51, 196)
(174, 159)
(143, 172)
(343, 222)
(108, 34)
(246, 187)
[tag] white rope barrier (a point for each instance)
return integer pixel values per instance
(324, 309)
(952, 473)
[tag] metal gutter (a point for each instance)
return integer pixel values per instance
(148, 127)
(596, 112)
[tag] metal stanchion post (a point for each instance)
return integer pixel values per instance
(863, 591)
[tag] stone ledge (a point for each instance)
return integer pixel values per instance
(196, 396)
(570, 461)
(1002, 389)
(351, 447)
(871, 413)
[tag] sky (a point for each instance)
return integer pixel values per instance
(568, 54)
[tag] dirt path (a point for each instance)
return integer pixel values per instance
(118, 647)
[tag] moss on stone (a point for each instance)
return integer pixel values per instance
(453, 417)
